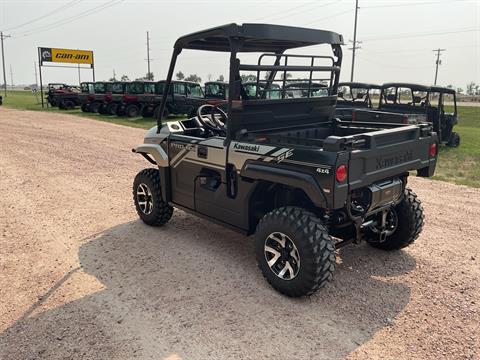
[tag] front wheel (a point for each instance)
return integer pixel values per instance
(404, 223)
(294, 251)
(147, 197)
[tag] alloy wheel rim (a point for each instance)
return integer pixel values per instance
(282, 256)
(144, 199)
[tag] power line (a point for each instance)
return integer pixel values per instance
(410, 35)
(328, 17)
(438, 62)
(64, 6)
(68, 20)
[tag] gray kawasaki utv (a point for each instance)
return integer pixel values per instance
(280, 167)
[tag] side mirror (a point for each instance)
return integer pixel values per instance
(340, 94)
(360, 95)
(391, 97)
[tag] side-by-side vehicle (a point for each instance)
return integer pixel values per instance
(284, 168)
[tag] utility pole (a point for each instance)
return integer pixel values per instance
(11, 75)
(36, 75)
(114, 75)
(148, 55)
(438, 62)
(355, 42)
(2, 37)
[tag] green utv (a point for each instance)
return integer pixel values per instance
(282, 168)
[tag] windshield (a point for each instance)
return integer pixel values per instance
(135, 88)
(273, 92)
(149, 88)
(300, 90)
(100, 88)
(86, 88)
(215, 90)
(117, 88)
(194, 90)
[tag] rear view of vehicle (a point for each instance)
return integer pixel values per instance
(282, 167)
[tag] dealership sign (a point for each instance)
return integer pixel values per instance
(65, 56)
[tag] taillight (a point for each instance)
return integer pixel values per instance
(354, 115)
(341, 173)
(404, 119)
(432, 151)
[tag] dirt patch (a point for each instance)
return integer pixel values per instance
(82, 278)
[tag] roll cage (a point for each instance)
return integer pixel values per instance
(246, 114)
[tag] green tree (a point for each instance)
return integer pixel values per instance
(124, 78)
(179, 75)
(193, 78)
(248, 78)
(221, 78)
(471, 88)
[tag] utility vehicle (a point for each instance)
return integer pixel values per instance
(284, 169)
(184, 97)
(137, 94)
(113, 98)
(412, 104)
(62, 95)
(305, 89)
(93, 95)
(216, 90)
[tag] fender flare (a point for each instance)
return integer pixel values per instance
(154, 150)
(296, 179)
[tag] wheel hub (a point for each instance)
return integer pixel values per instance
(282, 256)
(144, 199)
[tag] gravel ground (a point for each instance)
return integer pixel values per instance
(82, 278)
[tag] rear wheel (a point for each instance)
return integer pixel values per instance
(454, 140)
(148, 200)
(132, 110)
(103, 109)
(95, 107)
(68, 105)
(404, 223)
(112, 109)
(147, 111)
(156, 113)
(85, 107)
(294, 251)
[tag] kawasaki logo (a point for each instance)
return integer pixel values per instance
(246, 147)
(384, 162)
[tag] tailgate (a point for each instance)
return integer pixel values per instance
(389, 153)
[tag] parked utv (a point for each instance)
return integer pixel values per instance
(356, 95)
(305, 89)
(184, 97)
(91, 101)
(216, 90)
(62, 95)
(413, 104)
(284, 169)
(86, 89)
(112, 98)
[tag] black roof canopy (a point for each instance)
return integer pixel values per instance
(359, 85)
(256, 38)
(414, 87)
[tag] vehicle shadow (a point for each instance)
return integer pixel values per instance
(192, 289)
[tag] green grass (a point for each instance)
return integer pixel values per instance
(458, 165)
(462, 165)
(25, 100)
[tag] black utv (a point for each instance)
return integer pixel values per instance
(413, 104)
(216, 90)
(184, 97)
(356, 95)
(283, 169)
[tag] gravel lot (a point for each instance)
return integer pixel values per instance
(82, 278)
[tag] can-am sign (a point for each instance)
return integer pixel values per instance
(65, 56)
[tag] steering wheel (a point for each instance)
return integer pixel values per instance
(212, 122)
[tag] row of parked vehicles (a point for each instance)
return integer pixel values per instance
(390, 103)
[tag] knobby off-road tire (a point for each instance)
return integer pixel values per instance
(410, 220)
(454, 140)
(150, 207)
(309, 242)
(132, 111)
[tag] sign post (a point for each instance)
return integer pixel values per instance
(70, 56)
